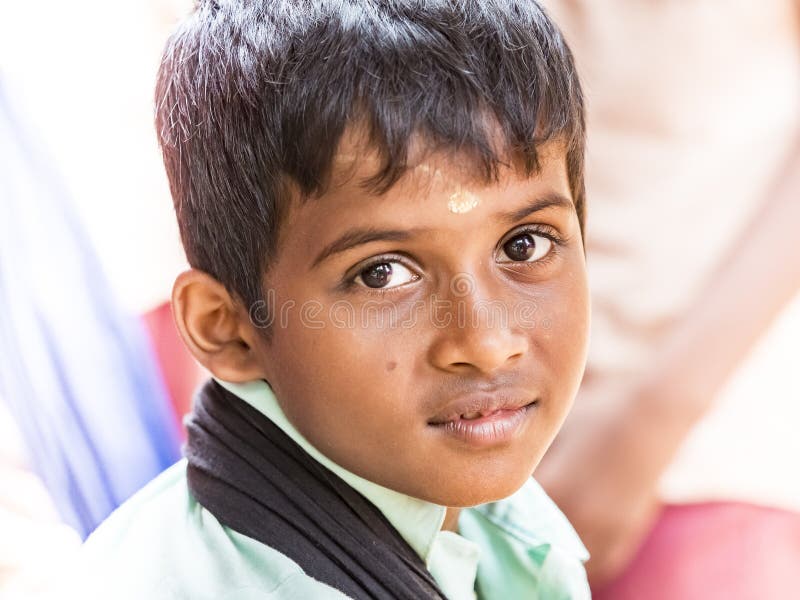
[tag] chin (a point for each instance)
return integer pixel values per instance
(480, 490)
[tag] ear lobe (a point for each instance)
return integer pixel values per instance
(209, 320)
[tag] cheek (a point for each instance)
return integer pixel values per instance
(562, 332)
(358, 366)
(349, 391)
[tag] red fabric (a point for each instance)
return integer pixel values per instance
(714, 551)
(181, 373)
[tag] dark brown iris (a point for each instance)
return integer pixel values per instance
(520, 247)
(377, 276)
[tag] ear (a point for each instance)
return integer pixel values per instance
(215, 327)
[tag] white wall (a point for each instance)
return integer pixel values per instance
(85, 73)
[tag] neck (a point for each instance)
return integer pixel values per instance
(451, 519)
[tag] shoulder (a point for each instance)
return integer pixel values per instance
(162, 545)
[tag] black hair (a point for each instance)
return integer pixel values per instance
(252, 95)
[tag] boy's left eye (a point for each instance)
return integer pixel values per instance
(526, 247)
(385, 275)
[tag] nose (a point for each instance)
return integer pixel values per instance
(478, 336)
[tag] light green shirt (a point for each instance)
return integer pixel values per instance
(162, 544)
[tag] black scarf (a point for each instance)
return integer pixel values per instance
(256, 480)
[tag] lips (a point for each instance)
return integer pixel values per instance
(485, 421)
(475, 407)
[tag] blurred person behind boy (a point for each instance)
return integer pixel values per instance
(693, 175)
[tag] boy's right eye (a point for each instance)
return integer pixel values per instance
(385, 275)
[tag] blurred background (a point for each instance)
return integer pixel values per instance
(89, 248)
(680, 464)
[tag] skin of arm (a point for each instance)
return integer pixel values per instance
(605, 466)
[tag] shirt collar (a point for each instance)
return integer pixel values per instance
(418, 521)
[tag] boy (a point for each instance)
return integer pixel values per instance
(382, 204)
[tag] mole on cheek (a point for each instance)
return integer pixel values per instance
(391, 365)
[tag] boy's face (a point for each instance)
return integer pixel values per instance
(431, 339)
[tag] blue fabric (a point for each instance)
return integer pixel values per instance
(76, 372)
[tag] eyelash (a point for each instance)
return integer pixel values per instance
(540, 229)
(349, 282)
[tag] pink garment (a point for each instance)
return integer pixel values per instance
(694, 549)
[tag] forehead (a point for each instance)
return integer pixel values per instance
(443, 190)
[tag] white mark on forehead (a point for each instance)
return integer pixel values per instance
(462, 201)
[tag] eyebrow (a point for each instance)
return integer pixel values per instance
(552, 199)
(364, 235)
(359, 236)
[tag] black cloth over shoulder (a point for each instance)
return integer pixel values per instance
(259, 482)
